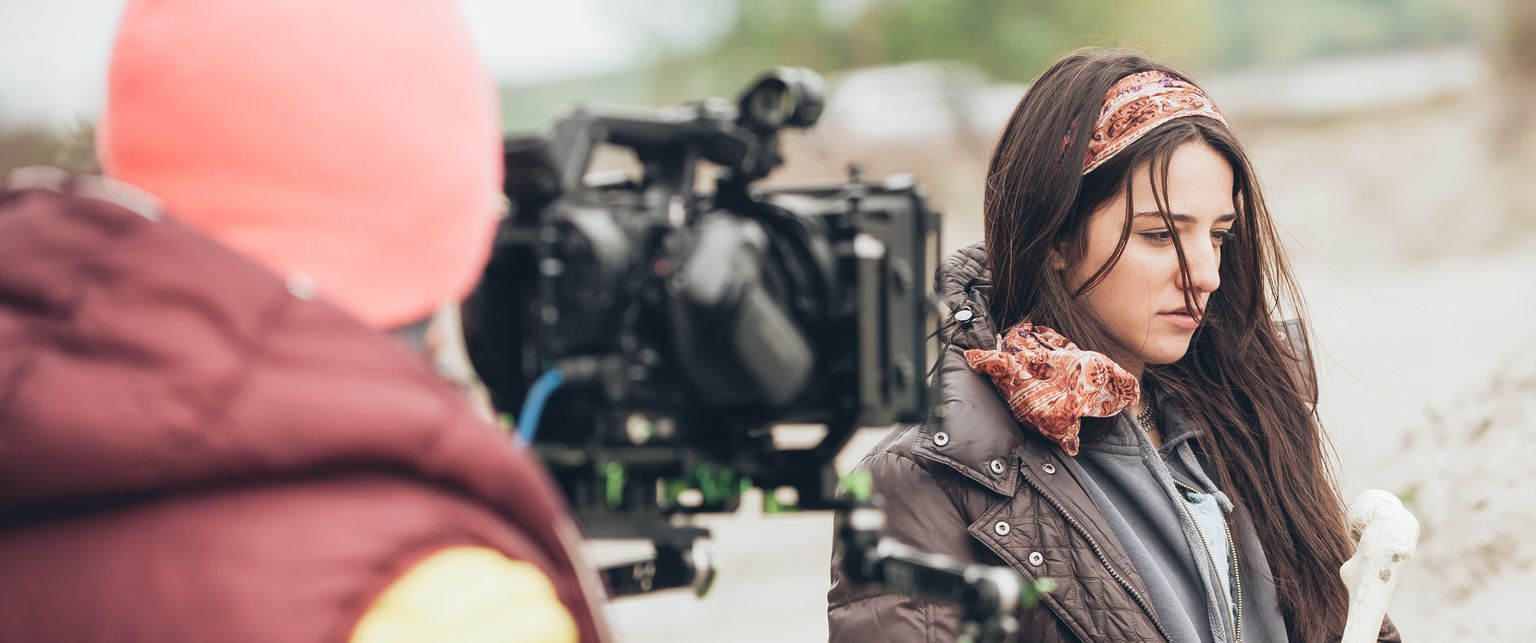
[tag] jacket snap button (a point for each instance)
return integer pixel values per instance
(1001, 528)
(1036, 559)
(964, 315)
(941, 438)
(1048, 468)
(997, 466)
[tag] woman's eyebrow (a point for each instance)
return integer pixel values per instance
(1179, 217)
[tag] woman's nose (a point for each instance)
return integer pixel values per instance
(1204, 262)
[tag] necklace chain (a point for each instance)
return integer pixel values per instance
(1147, 416)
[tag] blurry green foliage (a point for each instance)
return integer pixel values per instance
(1009, 39)
(72, 150)
(22, 147)
(713, 47)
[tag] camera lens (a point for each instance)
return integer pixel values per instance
(768, 105)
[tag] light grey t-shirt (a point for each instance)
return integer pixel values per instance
(1213, 531)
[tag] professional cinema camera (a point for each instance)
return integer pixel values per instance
(650, 333)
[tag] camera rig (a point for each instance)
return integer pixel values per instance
(651, 333)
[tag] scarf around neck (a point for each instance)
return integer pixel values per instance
(1050, 384)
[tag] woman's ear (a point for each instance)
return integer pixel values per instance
(1057, 262)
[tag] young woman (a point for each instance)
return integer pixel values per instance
(1122, 416)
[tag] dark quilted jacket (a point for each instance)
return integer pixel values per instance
(940, 494)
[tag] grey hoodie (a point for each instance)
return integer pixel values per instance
(1138, 489)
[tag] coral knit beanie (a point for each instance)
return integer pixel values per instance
(355, 144)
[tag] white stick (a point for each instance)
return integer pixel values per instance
(1386, 534)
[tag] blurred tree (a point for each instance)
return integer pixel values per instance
(22, 147)
(1258, 32)
(1014, 39)
(1514, 57)
(713, 47)
(1007, 39)
(1513, 52)
(72, 150)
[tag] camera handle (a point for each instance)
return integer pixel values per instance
(682, 560)
(988, 596)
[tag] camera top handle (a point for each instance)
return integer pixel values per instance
(742, 138)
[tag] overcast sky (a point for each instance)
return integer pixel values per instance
(53, 53)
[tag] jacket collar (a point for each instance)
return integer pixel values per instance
(977, 428)
(964, 283)
(1175, 429)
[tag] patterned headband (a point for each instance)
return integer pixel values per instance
(1139, 103)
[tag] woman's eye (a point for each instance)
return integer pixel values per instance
(1223, 236)
(1157, 236)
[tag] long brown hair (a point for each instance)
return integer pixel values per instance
(1237, 384)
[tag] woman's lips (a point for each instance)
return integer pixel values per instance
(1182, 320)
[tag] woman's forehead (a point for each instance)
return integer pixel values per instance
(1200, 184)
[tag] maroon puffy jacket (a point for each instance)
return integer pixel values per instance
(191, 452)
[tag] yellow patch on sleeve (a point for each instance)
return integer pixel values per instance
(468, 595)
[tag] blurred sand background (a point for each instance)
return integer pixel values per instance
(1395, 145)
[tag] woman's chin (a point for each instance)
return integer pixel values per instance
(1166, 352)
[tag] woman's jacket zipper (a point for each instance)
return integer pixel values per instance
(1099, 552)
(1237, 573)
(1237, 579)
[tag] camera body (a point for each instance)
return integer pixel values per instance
(680, 325)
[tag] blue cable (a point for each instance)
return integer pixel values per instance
(533, 405)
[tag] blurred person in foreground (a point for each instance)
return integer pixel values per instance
(204, 436)
(1123, 416)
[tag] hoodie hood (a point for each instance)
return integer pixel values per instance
(963, 281)
(138, 356)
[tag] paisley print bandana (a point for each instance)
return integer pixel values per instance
(1138, 103)
(1050, 384)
